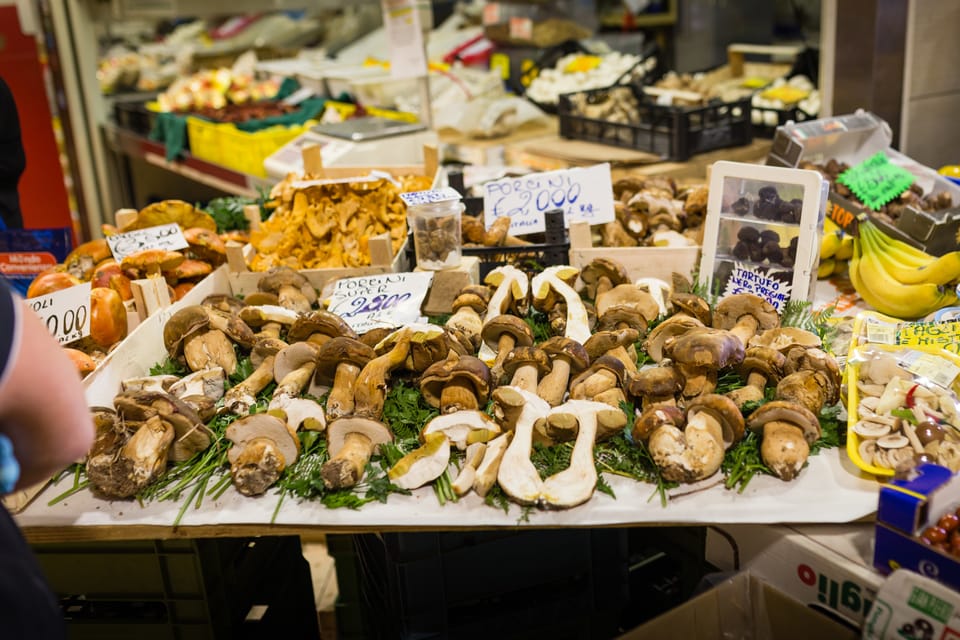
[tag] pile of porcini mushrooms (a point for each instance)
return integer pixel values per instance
(498, 391)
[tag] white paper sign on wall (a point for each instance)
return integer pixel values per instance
(382, 301)
(66, 312)
(164, 236)
(582, 193)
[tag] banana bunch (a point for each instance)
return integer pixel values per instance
(836, 248)
(900, 280)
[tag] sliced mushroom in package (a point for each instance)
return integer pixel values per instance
(903, 407)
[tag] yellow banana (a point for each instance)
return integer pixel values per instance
(939, 271)
(846, 248)
(829, 244)
(896, 249)
(880, 289)
(826, 267)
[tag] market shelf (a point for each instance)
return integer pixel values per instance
(212, 175)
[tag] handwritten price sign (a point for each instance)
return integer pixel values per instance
(165, 236)
(747, 279)
(584, 194)
(66, 312)
(384, 301)
(876, 181)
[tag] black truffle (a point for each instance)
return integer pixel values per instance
(741, 250)
(748, 234)
(769, 236)
(741, 207)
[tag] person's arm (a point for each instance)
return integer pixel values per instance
(42, 406)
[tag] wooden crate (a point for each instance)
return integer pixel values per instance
(640, 262)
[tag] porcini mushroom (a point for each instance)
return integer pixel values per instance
(602, 274)
(745, 315)
(464, 428)
(206, 382)
(700, 354)
(501, 334)
(293, 289)
(269, 319)
(456, 384)
(339, 363)
(371, 386)
(525, 365)
(206, 349)
(656, 386)
(293, 367)
(672, 327)
(131, 463)
(467, 475)
(696, 452)
(567, 357)
(614, 343)
(191, 436)
(517, 476)
(263, 446)
(300, 413)
(553, 280)
(424, 464)
(318, 327)
(787, 431)
(351, 441)
(512, 287)
(489, 466)
(239, 398)
(148, 383)
(761, 366)
(467, 307)
(691, 305)
(659, 289)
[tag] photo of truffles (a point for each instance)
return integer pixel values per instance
(768, 204)
(764, 247)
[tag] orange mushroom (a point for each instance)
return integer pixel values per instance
(50, 281)
(206, 245)
(152, 261)
(83, 260)
(83, 362)
(109, 274)
(108, 317)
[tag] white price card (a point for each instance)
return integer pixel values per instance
(747, 279)
(401, 21)
(66, 312)
(383, 301)
(584, 194)
(164, 236)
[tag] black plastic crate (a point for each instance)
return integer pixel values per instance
(134, 116)
(557, 584)
(671, 132)
(783, 116)
(183, 589)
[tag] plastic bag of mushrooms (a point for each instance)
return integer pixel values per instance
(903, 407)
(261, 377)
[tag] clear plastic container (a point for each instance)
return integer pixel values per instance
(436, 233)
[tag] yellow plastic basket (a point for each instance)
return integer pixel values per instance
(243, 151)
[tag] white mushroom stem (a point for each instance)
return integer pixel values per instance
(270, 330)
(525, 377)
(510, 278)
(578, 325)
(466, 319)
(689, 455)
(657, 288)
(745, 328)
(575, 484)
(340, 400)
(241, 397)
(257, 467)
(553, 385)
(294, 382)
(517, 476)
(292, 298)
(784, 449)
(911, 432)
(347, 467)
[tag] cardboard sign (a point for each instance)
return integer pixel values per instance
(914, 606)
(747, 279)
(582, 193)
(165, 236)
(876, 181)
(382, 301)
(66, 312)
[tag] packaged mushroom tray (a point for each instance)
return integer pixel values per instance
(331, 223)
(538, 402)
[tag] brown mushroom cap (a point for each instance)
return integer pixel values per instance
(713, 348)
(603, 341)
(807, 388)
(654, 418)
(262, 298)
(293, 357)
(814, 359)
(339, 350)
(279, 277)
(338, 430)
(232, 325)
(225, 303)
(191, 435)
(724, 411)
(692, 305)
(320, 321)
(472, 300)
(526, 356)
(784, 338)
(373, 337)
(258, 315)
(628, 295)
(732, 308)
(764, 360)
(183, 324)
(604, 363)
(623, 316)
(599, 268)
(573, 351)
(510, 324)
(429, 343)
(671, 327)
(190, 269)
(783, 411)
(264, 348)
(655, 382)
(466, 368)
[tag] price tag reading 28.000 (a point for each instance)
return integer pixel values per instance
(66, 312)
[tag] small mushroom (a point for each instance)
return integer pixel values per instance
(745, 315)
(293, 289)
(456, 384)
(526, 365)
(760, 366)
(429, 343)
(672, 327)
(339, 363)
(787, 430)
(692, 305)
(614, 343)
(490, 465)
(567, 357)
(700, 354)
(604, 373)
(554, 280)
(240, 397)
(602, 274)
(872, 430)
(318, 327)
(293, 367)
(226, 303)
(467, 307)
(517, 476)
(501, 334)
(512, 287)
(467, 476)
(424, 464)
(351, 441)
(656, 386)
(263, 446)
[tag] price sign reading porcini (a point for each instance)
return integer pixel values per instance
(371, 302)
(66, 312)
(584, 194)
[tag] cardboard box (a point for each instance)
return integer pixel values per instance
(907, 507)
(745, 606)
(913, 606)
(852, 139)
(825, 567)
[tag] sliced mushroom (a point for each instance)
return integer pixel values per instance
(339, 363)
(512, 287)
(206, 382)
(658, 289)
(351, 442)
(429, 343)
(424, 464)
(489, 467)
(517, 476)
(464, 428)
(263, 446)
(148, 383)
(554, 280)
(293, 367)
(300, 413)
(191, 435)
(871, 430)
(465, 479)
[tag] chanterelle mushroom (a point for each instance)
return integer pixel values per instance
(553, 280)
(745, 315)
(788, 430)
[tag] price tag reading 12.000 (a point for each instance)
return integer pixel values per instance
(583, 194)
(66, 312)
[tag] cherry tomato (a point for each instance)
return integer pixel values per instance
(949, 522)
(936, 535)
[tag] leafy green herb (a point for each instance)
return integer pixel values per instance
(621, 457)
(443, 488)
(169, 367)
(539, 324)
(797, 313)
(497, 498)
(227, 212)
(244, 369)
(440, 320)
(551, 460)
(833, 432)
(405, 410)
(742, 462)
(904, 414)
(728, 381)
(643, 358)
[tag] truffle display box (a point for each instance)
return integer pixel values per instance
(762, 232)
(906, 508)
